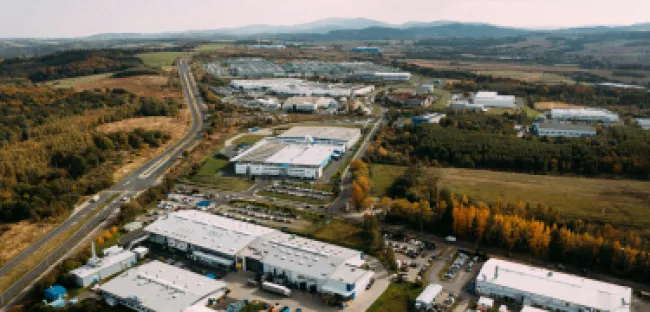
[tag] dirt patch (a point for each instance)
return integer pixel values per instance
(175, 126)
(16, 237)
(149, 85)
(552, 105)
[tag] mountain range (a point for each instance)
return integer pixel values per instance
(365, 29)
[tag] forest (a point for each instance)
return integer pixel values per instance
(69, 64)
(618, 151)
(420, 202)
(51, 153)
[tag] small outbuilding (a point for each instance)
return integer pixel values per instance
(426, 298)
(485, 303)
(55, 292)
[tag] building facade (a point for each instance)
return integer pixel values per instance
(114, 260)
(563, 130)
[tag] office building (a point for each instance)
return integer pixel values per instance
(114, 260)
(159, 287)
(550, 290)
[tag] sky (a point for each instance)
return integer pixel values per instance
(75, 18)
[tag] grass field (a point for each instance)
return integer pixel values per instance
(160, 59)
(293, 198)
(443, 101)
(620, 202)
(211, 47)
(248, 139)
(209, 176)
(40, 254)
(76, 81)
(340, 233)
(551, 105)
(396, 298)
(15, 237)
(529, 76)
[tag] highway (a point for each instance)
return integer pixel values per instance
(139, 180)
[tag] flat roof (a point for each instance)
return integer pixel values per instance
(209, 231)
(566, 287)
(560, 126)
(301, 255)
(532, 309)
(272, 152)
(430, 293)
(102, 263)
(326, 133)
(162, 287)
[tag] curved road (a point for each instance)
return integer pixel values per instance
(141, 179)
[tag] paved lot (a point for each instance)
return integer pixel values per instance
(305, 300)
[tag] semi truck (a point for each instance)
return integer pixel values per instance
(275, 288)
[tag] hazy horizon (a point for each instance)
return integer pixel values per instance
(78, 18)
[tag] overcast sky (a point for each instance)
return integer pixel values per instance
(71, 18)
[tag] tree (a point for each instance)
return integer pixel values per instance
(358, 196)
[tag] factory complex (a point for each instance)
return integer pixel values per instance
(298, 87)
(300, 152)
(549, 290)
(303, 263)
(160, 287)
(584, 115)
(493, 99)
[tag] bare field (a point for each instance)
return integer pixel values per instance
(551, 105)
(76, 81)
(620, 202)
(15, 237)
(148, 85)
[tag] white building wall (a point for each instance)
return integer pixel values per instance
(488, 289)
(565, 133)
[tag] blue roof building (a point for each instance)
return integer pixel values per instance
(204, 204)
(55, 292)
(367, 49)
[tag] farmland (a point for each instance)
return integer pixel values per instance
(551, 105)
(160, 59)
(620, 202)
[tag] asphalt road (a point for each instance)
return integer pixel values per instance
(141, 179)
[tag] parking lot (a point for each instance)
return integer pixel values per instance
(300, 191)
(412, 257)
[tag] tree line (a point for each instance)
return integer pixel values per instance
(419, 202)
(619, 151)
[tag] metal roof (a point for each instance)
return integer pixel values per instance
(209, 231)
(272, 152)
(162, 287)
(560, 286)
(325, 133)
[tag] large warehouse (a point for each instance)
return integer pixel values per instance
(305, 263)
(584, 114)
(550, 290)
(493, 99)
(160, 287)
(274, 158)
(322, 135)
(298, 87)
(563, 130)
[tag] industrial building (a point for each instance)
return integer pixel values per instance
(366, 50)
(493, 99)
(309, 103)
(432, 118)
(382, 76)
(466, 105)
(114, 260)
(322, 135)
(298, 87)
(276, 158)
(267, 47)
(304, 263)
(204, 237)
(425, 89)
(428, 295)
(159, 287)
(550, 290)
(269, 103)
(563, 130)
(409, 99)
(644, 123)
(584, 115)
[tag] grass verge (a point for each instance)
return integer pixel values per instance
(248, 139)
(396, 298)
(41, 253)
(209, 176)
(294, 198)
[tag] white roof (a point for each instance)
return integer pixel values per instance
(325, 133)
(583, 112)
(271, 152)
(162, 287)
(319, 101)
(430, 293)
(532, 309)
(486, 302)
(304, 256)
(209, 231)
(104, 262)
(561, 286)
(486, 94)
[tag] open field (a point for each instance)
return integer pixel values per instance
(293, 198)
(248, 139)
(528, 72)
(619, 202)
(209, 176)
(40, 254)
(76, 81)
(146, 85)
(15, 237)
(160, 59)
(211, 47)
(551, 105)
(340, 233)
(396, 298)
(443, 100)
